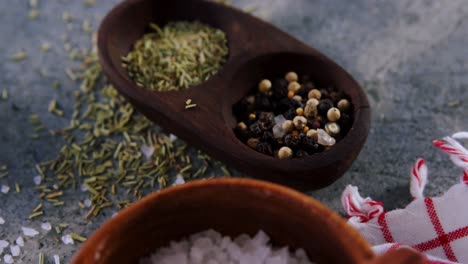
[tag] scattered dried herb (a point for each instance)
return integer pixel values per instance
(111, 150)
(178, 55)
(5, 94)
(19, 56)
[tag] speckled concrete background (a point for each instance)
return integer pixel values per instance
(409, 55)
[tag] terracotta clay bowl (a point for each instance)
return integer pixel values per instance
(232, 207)
(257, 50)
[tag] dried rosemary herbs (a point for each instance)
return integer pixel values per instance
(178, 55)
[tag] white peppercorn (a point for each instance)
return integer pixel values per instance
(242, 126)
(313, 101)
(314, 93)
(253, 142)
(294, 87)
(264, 86)
(310, 110)
(312, 133)
(285, 153)
(299, 122)
(332, 128)
(288, 126)
(333, 114)
(297, 98)
(343, 105)
(291, 77)
(250, 99)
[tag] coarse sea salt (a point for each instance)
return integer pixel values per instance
(15, 250)
(147, 151)
(29, 232)
(87, 203)
(67, 240)
(8, 259)
(210, 247)
(179, 180)
(2, 221)
(172, 137)
(5, 189)
(37, 179)
(20, 241)
(325, 139)
(4, 244)
(46, 226)
(56, 259)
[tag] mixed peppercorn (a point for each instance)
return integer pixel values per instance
(292, 118)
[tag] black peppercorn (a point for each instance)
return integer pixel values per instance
(310, 145)
(301, 153)
(265, 148)
(290, 114)
(268, 137)
(345, 123)
(325, 94)
(280, 88)
(292, 141)
(305, 89)
(262, 103)
(336, 96)
(256, 129)
(285, 104)
(323, 106)
(266, 117)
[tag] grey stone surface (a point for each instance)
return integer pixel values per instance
(409, 55)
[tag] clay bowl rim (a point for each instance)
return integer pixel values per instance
(358, 248)
(352, 142)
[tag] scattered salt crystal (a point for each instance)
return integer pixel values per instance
(29, 232)
(147, 151)
(83, 188)
(67, 240)
(325, 139)
(88, 203)
(37, 179)
(8, 259)
(56, 259)
(4, 244)
(20, 241)
(278, 131)
(172, 137)
(15, 250)
(46, 226)
(179, 180)
(5, 189)
(2, 221)
(279, 120)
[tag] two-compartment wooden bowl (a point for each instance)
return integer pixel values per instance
(257, 50)
(232, 207)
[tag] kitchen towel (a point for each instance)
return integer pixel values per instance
(435, 226)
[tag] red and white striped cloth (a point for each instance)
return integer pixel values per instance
(437, 227)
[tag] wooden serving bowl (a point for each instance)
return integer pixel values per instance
(232, 207)
(257, 50)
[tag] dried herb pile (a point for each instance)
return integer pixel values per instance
(178, 55)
